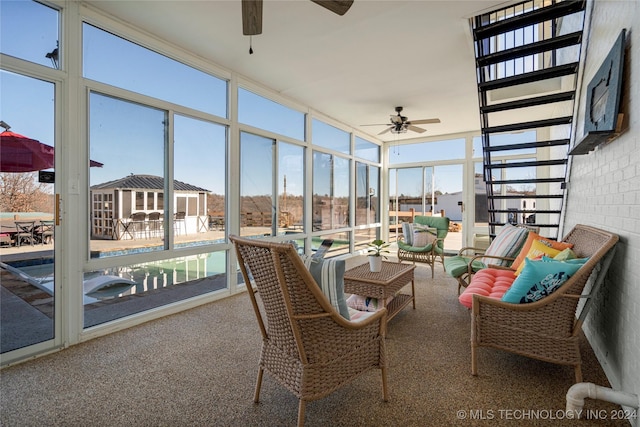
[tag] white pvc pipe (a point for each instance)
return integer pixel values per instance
(578, 392)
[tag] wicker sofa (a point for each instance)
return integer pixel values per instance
(547, 329)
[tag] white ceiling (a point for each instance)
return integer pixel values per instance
(354, 68)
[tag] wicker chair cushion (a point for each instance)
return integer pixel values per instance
(329, 275)
(533, 236)
(507, 243)
(458, 265)
(539, 279)
(490, 282)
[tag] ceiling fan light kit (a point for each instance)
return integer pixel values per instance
(401, 124)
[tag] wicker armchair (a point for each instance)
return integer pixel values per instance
(307, 346)
(547, 329)
(432, 252)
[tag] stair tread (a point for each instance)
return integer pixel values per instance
(531, 76)
(535, 16)
(529, 49)
(528, 102)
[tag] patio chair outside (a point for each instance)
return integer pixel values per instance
(139, 224)
(25, 232)
(46, 231)
(307, 346)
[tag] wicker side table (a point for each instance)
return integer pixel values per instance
(393, 277)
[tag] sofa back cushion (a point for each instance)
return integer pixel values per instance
(507, 243)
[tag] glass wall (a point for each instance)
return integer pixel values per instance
(263, 113)
(124, 186)
(330, 194)
(161, 186)
(327, 136)
(29, 31)
(196, 89)
(27, 212)
(30, 301)
(291, 193)
(257, 205)
(433, 187)
(161, 180)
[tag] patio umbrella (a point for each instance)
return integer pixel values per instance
(21, 154)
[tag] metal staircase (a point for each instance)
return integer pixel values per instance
(527, 58)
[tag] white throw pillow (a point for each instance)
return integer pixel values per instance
(423, 236)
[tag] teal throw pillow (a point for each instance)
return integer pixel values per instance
(329, 275)
(539, 279)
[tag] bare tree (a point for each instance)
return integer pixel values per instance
(21, 192)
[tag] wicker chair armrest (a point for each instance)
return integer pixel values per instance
(477, 257)
(379, 316)
(363, 330)
(477, 251)
(499, 267)
(538, 310)
(480, 300)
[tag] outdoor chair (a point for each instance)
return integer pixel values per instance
(156, 228)
(138, 224)
(45, 233)
(179, 223)
(429, 253)
(307, 346)
(25, 232)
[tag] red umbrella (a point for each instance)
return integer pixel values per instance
(21, 154)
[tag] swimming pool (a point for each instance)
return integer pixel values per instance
(124, 280)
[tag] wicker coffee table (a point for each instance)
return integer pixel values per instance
(393, 277)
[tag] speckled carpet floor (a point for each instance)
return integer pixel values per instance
(198, 368)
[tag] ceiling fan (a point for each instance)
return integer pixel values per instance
(252, 13)
(400, 123)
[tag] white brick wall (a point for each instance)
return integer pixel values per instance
(604, 191)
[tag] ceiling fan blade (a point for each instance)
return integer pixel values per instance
(416, 129)
(377, 124)
(395, 119)
(251, 17)
(336, 6)
(386, 130)
(424, 121)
